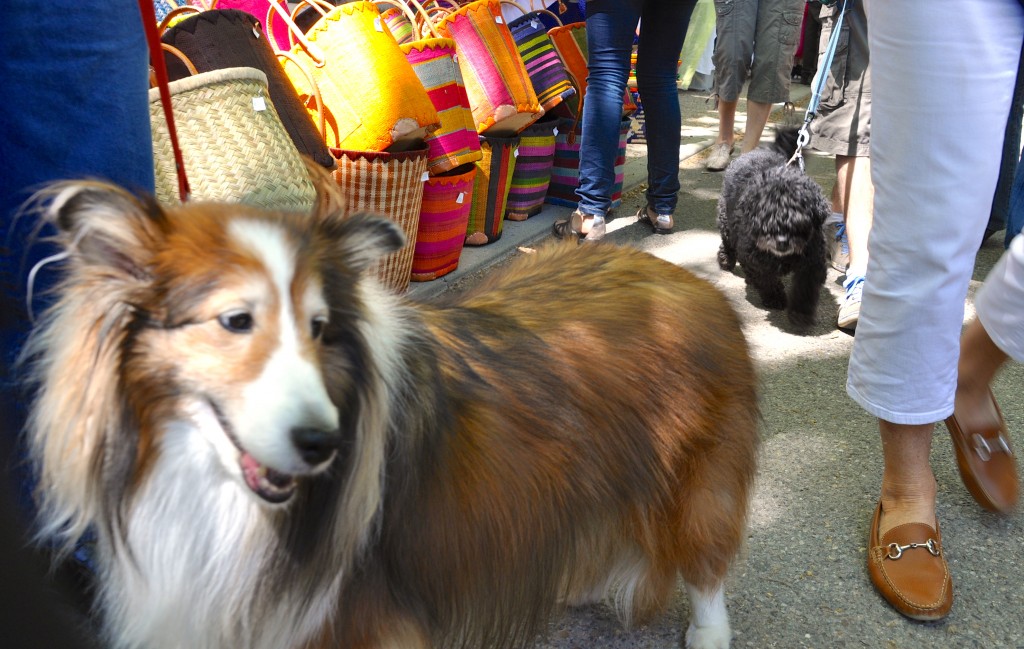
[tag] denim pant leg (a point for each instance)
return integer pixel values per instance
(74, 81)
(611, 25)
(1015, 213)
(662, 30)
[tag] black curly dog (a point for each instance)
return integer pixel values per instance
(770, 215)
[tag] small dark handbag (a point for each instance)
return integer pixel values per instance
(228, 38)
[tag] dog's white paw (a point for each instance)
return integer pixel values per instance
(708, 637)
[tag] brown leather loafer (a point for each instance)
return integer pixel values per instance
(986, 462)
(908, 569)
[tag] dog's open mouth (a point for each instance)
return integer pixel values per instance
(272, 486)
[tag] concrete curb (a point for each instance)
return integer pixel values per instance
(516, 234)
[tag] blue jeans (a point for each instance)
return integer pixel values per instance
(611, 27)
(74, 83)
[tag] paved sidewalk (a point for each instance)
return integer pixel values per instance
(802, 579)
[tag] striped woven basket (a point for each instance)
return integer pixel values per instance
(455, 142)
(490, 189)
(390, 184)
(565, 171)
(234, 146)
(444, 218)
(499, 89)
(532, 173)
(547, 74)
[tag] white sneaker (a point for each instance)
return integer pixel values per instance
(849, 310)
(719, 157)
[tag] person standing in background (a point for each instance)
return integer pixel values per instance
(759, 38)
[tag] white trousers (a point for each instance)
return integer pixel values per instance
(1000, 301)
(943, 73)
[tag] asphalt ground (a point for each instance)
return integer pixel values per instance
(801, 580)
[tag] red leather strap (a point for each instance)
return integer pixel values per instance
(156, 57)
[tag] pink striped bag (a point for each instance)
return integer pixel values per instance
(443, 221)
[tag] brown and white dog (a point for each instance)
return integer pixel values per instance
(274, 452)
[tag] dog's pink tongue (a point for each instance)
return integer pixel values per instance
(251, 471)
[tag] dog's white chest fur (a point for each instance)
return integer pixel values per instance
(196, 574)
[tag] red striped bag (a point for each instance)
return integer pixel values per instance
(444, 218)
(490, 189)
(390, 184)
(455, 142)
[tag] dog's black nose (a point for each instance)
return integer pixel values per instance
(315, 445)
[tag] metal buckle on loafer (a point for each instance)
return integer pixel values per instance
(895, 550)
(984, 450)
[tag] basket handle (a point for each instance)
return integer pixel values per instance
(514, 4)
(413, 21)
(421, 18)
(321, 119)
(174, 13)
(181, 56)
(315, 53)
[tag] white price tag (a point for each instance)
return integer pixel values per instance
(377, 25)
(498, 20)
(534, 23)
(259, 104)
(515, 153)
(556, 132)
(426, 176)
(459, 200)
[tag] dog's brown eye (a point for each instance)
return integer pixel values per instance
(317, 327)
(238, 322)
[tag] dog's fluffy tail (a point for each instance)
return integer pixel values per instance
(785, 140)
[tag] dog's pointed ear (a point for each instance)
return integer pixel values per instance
(359, 239)
(329, 200)
(102, 225)
(362, 239)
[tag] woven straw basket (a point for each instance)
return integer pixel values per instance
(234, 146)
(390, 184)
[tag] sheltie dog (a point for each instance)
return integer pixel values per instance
(275, 452)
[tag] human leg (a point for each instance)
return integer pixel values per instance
(982, 442)
(775, 38)
(75, 106)
(903, 366)
(662, 30)
(611, 25)
(757, 117)
(904, 362)
(735, 22)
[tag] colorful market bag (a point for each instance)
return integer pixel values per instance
(233, 143)
(532, 174)
(390, 184)
(455, 141)
(547, 73)
(499, 88)
(261, 9)
(372, 98)
(565, 171)
(570, 41)
(444, 218)
(490, 189)
(229, 38)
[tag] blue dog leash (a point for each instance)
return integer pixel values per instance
(804, 136)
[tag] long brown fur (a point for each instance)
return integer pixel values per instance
(582, 425)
